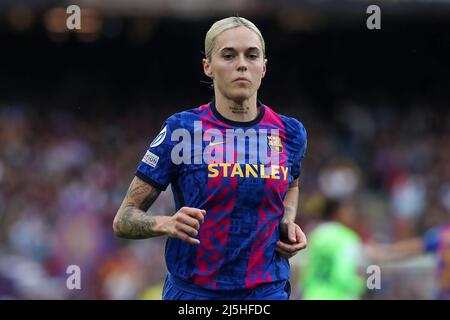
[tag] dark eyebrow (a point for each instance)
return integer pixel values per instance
(232, 49)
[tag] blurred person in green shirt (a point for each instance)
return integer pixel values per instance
(333, 256)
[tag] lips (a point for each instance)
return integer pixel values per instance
(241, 79)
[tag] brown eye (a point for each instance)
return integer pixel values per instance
(227, 56)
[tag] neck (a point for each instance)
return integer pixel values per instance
(241, 111)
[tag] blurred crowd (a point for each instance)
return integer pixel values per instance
(62, 180)
(63, 176)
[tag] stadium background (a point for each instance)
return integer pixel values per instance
(78, 109)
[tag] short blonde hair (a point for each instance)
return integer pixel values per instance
(225, 24)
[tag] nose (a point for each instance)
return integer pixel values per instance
(242, 63)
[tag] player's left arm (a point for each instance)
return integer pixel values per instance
(292, 238)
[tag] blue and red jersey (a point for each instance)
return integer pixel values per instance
(437, 240)
(242, 194)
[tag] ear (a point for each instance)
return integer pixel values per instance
(264, 68)
(207, 68)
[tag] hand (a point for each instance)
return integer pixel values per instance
(184, 224)
(292, 240)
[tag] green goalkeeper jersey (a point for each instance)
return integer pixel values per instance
(333, 259)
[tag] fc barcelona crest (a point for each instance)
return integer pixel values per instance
(275, 144)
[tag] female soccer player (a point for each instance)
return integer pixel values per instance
(233, 165)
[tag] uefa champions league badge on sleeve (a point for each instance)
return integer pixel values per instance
(159, 138)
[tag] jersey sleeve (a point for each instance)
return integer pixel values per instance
(300, 143)
(431, 240)
(156, 167)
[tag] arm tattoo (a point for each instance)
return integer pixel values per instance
(132, 220)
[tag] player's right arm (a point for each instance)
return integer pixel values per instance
(133, 222)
